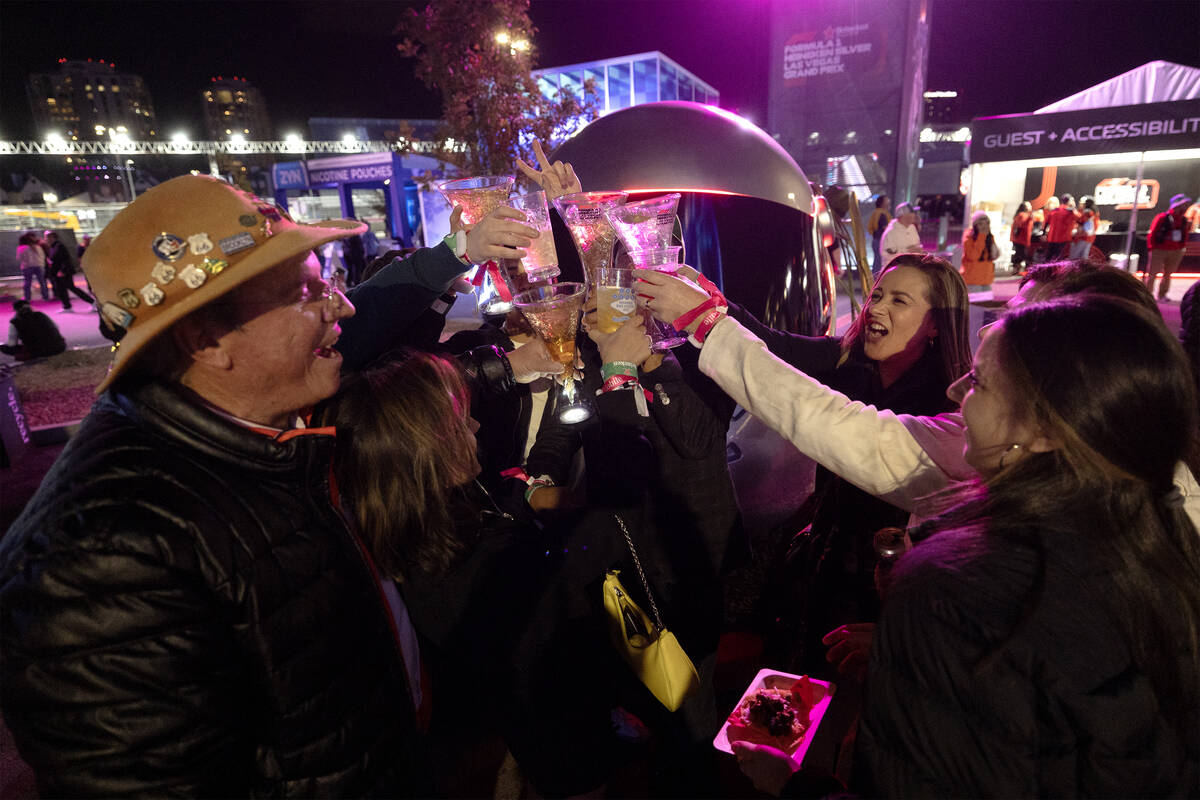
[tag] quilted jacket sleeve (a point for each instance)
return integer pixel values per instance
(115, 669)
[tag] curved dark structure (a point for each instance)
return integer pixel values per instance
(746, 211)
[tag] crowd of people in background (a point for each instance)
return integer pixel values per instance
(305, 544)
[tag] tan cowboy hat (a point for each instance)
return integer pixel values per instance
(183, 244)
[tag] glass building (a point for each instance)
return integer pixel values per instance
(628, 81)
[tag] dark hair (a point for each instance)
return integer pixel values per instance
(879, 201)
(19, 306)
(1087, 202)
(1025, 206)
(28, 238)
(1067, 198)
(949, 308)
(1061, 278)
(1106, 381)
(404, 448)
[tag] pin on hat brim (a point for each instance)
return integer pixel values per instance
(281, 247)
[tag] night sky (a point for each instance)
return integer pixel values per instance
(339, 59)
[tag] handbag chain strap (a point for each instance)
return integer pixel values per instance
(637, 562)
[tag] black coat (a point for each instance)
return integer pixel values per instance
(984, 684)
(183, 611)
(667, 472)
(830, 578)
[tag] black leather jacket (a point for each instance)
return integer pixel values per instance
(183, 611)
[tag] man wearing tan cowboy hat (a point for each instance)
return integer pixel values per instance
(183, 608)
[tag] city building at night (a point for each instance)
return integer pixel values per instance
(628, 81)
(235, 109)
(233, 106)
(89, 99)
(942, 107)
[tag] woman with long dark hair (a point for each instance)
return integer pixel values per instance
(901, 353)
(1045, 639)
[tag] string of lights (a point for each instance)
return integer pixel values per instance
(63, 147)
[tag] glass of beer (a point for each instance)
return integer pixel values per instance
(616, 300)
(541, 259)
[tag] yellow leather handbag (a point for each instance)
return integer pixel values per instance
(652, 651)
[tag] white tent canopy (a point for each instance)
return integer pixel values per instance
(1155, 82)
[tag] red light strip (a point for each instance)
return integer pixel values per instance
(685, 189)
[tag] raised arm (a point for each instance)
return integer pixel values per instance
(871, 449)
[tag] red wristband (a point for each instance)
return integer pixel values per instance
(515, 472)
(712, 290)
(688, 317)
(707, 325)
(497, 278)
(618, 381)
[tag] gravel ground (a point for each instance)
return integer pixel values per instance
(58, 390)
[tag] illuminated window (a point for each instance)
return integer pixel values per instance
(645, 78)
(668, 84)
(618, 86)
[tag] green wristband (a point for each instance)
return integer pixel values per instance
(608, 369)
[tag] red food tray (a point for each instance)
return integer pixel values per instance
(770, 679)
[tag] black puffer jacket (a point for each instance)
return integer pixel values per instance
(998, 671)
(183, 612)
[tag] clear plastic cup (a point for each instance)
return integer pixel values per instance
(541, 259)
(478, 196)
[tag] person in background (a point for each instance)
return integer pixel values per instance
(370, 244)
(354, 257)
(31, 260)
(1041, 217)
(979, 254)
(84, 241)
(61, 267)
(1167, 241)
(902, 234)
(876, 224)
(1022, 237)
(1060, 228)
(32, 334)
(1085, 231)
